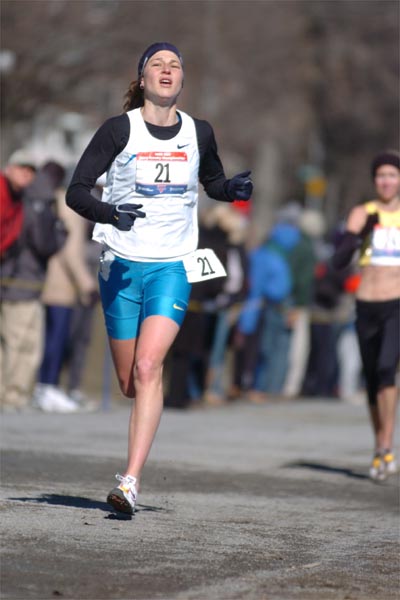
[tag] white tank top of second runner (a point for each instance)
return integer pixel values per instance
(163, 176)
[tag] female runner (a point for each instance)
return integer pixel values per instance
(374, 228)
(154, 156)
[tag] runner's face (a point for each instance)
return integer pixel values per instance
(163, 76)
(387, 182)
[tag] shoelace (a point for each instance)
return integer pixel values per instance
(127, 480)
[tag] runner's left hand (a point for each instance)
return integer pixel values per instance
(240, 187)
(124, 215)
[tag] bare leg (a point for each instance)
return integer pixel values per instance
(376, 423)
(139, 364)
(156, 337)
(123, 354)
(383, 416)
(387, 404)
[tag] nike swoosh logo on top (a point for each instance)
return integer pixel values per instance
(180, 146)
(177, 307)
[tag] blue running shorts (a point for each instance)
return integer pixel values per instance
(131, 291)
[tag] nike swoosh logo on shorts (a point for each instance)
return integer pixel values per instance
(180, 146)
(177, 307)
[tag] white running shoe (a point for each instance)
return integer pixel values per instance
(390, 463)
(50, 398)
(377, 468)
(123, 497)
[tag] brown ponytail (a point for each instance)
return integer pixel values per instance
(134, 97)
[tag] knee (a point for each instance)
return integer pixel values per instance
(146, 370)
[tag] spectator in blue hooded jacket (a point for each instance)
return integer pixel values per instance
(264, 312)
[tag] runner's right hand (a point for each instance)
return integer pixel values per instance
(124, 215)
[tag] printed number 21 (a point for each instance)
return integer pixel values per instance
(161, 168)
(205, 264)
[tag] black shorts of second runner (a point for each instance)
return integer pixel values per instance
(378, 327)
(131, 291)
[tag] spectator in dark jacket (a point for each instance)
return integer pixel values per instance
(23, 269)
(188, 358)
(226, 305)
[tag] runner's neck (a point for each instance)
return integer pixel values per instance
(164, 116)
(391, 206)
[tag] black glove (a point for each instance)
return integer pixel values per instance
(350, 242)
(370, 223)
(124, 215)
(240, 187)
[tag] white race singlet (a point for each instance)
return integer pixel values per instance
(163, 176)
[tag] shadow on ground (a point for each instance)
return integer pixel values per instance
(85, 503)
(314, 466)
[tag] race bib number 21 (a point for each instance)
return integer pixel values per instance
(202, 265)
(162, 173)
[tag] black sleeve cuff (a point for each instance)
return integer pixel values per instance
(343, 254)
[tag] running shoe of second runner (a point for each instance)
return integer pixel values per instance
(123, 497)
(377, 470)
(390, 463)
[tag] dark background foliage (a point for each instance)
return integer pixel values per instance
(285, 83)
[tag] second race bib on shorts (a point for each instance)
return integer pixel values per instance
(162, 173)
(203, 264)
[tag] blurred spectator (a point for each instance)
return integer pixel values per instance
(302, 262)
(349, 361)
(329, 311)
(23, 267)
(188, 357)
(80, 330)
(225, 304)
(17, 175)
(349, 380)
(265, 310)
(68, 281)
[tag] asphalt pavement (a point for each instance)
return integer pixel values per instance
(257, 502)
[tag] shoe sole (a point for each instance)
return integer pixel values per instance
(118, 501)
(392, 470)
(378, 478)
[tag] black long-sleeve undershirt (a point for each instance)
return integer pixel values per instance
(111, 138)
(347, 246)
